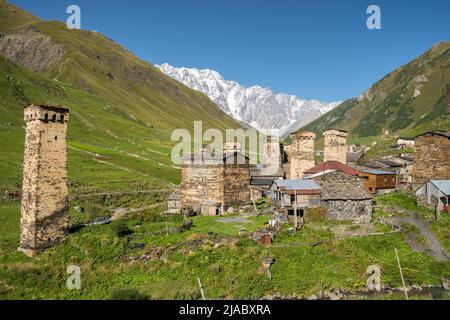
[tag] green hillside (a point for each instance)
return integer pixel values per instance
(123, 110)
(408, 100)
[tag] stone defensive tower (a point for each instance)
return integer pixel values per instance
(335, 145)
(273, 152)
(301, 153)
(44, 215)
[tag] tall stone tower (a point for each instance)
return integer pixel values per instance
(273, 152)
(44, 216)
(300, 153)
(335, 145)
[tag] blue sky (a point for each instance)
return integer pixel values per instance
(318, 49)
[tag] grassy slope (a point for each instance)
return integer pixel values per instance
(127, 118)
(96, 64)
(390, 104)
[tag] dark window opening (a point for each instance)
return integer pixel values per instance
(56, 138)
(61, 118)
(46, 117)
(54, 117)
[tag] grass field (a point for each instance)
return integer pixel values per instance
(306, 263)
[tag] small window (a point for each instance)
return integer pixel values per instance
(61, 118)
(54, 118)
(56, 138)
(46, 117)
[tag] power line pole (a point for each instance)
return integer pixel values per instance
(401, 274)
(295, 210)
(201, 289)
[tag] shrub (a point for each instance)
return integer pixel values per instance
(120, 228)
(315, 214)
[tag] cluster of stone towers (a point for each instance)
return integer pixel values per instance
(44, 213)
(301, 152)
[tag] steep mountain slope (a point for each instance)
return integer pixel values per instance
(123, 110)
(276, 114)
(91, 62)
(409, 99)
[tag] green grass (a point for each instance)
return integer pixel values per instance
(302, 265)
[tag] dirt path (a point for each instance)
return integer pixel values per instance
(433, 246)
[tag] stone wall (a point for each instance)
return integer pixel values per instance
(44, 213)
(273, 152)
(431, 159)
(335, 146)
(301, 154)
(201, 183)
(236, 185)
(359, 211)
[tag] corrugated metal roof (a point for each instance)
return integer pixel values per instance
(443, 185)
(376, 171)
(298, 184)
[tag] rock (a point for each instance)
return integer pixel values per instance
(79, 209)
(230, 210)
(313, 297)
(119, 213)
(445, 284)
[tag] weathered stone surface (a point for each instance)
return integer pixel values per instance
(44, 214)
(359, 211)
(431, 158)
(300, 154)
(32, 49)
(222, 182)
(335, 146)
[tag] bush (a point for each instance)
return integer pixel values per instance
(128, 294)
(120, 228)
(315, 214)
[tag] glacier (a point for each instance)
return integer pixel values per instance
(258, 107)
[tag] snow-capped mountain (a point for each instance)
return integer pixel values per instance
(275, 114)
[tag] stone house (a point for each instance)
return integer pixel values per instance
(345, 197)
(431, 158)
(261, 182)
(435, 194)
(223, 181)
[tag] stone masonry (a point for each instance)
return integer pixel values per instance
(44, 213)
(273, 152)
(431, 158)
(335, 146)
(222, 181)
(300, 154)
